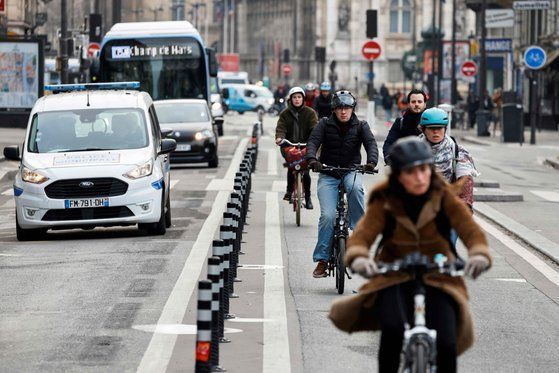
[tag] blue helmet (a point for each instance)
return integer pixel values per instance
(325, 86)
(434, 117)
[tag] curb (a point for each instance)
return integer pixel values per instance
(473, 140)
(551, 162)
(508, 197)
(537, 241)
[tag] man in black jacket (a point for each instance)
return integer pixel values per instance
(408, 123)
(341, 136)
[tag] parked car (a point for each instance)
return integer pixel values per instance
(93, 156)
(248, 97)
(192, 128)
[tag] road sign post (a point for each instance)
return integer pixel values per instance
(534, 59)
(371, 51)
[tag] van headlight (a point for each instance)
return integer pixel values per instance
(271, 101)
(32, 176)
(204, 134)
(142, 170)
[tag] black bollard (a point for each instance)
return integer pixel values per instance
(204, 327)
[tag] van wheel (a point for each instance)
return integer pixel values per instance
(159, 228)
(168, 212)
(29, 234)
(241, 112)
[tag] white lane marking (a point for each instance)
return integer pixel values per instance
(533, 260)
(273, 162)
(510, 279)
(228, 137)
(160, 349)
(248, 319)
(8, 192)
(175, 329)
(173, 183)
(547, 195)
(9, 204)
(276, 356)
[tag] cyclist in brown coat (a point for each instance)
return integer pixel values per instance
(407, 210)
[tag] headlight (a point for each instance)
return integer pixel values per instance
(142, 170)
(271, 101)
(32, 176)
(204, 134)
(216, 106)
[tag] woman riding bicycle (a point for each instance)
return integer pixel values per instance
(414, 210)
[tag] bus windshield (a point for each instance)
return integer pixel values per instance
(167, 68)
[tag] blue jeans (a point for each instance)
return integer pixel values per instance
(453, 236)
(327, 190)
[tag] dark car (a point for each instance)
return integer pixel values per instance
(191, 125)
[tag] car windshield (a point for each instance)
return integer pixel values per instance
(263, 92)
(173, 112)
(87, 130)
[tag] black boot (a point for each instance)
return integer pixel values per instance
(287, 197)
(308, 203)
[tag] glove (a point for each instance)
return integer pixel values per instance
(365, 267)
(315, 165)
(369, 167)
(475, 265)
(278, 140)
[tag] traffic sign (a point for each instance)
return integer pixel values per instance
(2, 6)
(531, 5)
(92, 49)
(468, 68)
(286, 69)
(371, 50)
(534, 57)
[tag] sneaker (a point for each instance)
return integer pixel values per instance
(320, 270)
(308, 203)
(287, 197)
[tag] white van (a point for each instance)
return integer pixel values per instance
(247, 97)
(93, 155)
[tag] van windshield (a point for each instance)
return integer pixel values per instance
(87, 130)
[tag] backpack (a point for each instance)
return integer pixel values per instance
(441, 221)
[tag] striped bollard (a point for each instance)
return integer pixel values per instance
(230, 220)
(227, 236)
(204, 327)
(213, 276)
(217, 251)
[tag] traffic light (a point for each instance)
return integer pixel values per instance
(371, 23)
(286, 56)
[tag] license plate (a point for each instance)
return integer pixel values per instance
(86, 202)
(184, 147)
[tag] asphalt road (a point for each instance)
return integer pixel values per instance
(89, 301)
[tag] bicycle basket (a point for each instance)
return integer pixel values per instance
(295, 156)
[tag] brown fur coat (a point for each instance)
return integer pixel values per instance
(353, 313)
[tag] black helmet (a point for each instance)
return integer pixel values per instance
(343, 99)
(409, 152)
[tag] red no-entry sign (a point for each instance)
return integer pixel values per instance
(468, 68)
(92, 49)
(371, 50)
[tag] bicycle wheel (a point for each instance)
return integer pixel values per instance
(340, 270)
(419, 363)
(297, 199)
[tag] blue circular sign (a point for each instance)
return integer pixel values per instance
(534, 57)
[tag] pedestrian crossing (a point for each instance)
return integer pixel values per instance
(550, 196)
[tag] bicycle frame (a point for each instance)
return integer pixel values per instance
(341, 224)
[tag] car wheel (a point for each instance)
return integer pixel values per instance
(168, 212)
(29, 234)
(159, 228)
(214, 162)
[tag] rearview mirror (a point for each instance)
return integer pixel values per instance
(166, 132)
(12, 152)
(167, 146)
(212, 61)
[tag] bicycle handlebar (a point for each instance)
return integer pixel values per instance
(419, 263)
(359, 168)
(285, 142)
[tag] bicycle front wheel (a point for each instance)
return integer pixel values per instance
(419, 364)
(297, 199)
(340, 272)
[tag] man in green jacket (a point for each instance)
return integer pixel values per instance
(295, 124)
